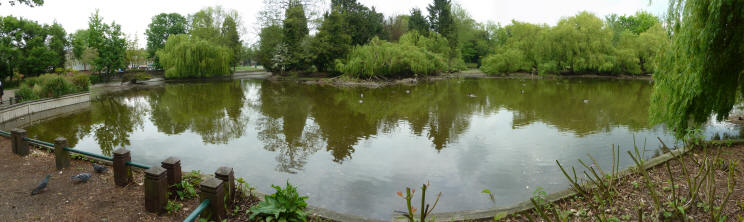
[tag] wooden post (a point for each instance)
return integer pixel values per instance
(122, 171)
(173, 166)
(61, 156)
(228, 180)
(156, 189)
(19, 145)
(214, 190)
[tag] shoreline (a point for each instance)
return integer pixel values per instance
(343, 81)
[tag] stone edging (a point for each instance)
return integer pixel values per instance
(27, 108)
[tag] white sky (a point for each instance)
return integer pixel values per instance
(135, 15)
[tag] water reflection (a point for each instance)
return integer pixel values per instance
(350, 149)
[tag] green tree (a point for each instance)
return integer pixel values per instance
(701, 72)
(110, 44)
(363, 23)
(269, 38)
(231, 39)
(442, 21)
(160, 28)
(187, 56)
(417, 21)
(332, 42)
(79, 42)
(295, 30)
(58, 43)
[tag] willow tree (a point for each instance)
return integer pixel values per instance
(191, 57)
(701, 73)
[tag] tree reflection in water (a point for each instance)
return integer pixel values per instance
(296, 120)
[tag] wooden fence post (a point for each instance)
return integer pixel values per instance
(156, 189)
(19, 145)
(61, 156)
(122, 171)
(214, 190)
(173, 166)
(227, 176)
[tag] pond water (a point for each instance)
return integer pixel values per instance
(351, 149)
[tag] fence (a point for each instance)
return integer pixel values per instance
(217, 193)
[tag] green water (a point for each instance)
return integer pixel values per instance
(351, 149)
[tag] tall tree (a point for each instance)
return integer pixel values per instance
(231, 39)
(269, 38)
(295, 30)
(160, 28)
(110, 44)
(58, 44)
(702, 72)
(418, 22)
(79, 42)
(441, 20)
(332, 41)
(363, 23)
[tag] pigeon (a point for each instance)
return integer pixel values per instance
(99, 168)
(41, 185)
(81, 178)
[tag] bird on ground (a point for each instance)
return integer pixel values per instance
(41, 186)
(99, 168)
(81, 178)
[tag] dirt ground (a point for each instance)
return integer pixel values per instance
(97, 200)
(633, 195)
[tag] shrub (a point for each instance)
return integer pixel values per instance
(187, 57)
(548, 68)
(81, 81)
(510, 60)
(26, 93)
(283, 205)
(52, 85)
(381, 58)
(95, 78)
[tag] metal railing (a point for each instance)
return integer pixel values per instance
(94, 155)
(194, 214)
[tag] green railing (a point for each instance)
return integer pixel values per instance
(94, 155)
(197, 211)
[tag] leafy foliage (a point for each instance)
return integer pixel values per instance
(284, 205)
(382, 58)
(30, 48)
(52, 85)
(188, 57)
(109, 42)
(701, 71)
(578, 44)
(163, 26)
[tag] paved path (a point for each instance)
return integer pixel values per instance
(7, 94)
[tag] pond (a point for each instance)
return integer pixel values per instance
(351, 149)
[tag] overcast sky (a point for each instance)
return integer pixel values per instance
(135, 15)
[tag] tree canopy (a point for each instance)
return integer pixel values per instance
(162, 26)
(109, 43)
(701, 72)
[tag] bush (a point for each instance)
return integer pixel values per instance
(283, 205)
(187, 57)
(381, 58)
(548, 68)
(510, 60)
(81, 82)
(95, 78)
(52, 85)
(26, 93)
